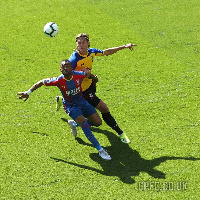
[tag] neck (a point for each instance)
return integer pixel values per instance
(83, 52)
(68, 77)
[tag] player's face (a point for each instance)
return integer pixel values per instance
(82, 45)
(66, 69)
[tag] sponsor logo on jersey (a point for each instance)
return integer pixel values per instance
(74, 91)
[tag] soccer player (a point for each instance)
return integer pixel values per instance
(74, 103)
(82, 59)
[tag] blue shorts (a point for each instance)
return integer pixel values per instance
(81, 108)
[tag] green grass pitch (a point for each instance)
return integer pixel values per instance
(153, 92)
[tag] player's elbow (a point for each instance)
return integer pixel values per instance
(96, 78)
(106, 52)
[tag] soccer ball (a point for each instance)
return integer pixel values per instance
(51, 29)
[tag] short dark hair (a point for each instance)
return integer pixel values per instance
(65, 62)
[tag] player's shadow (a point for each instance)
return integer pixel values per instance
(126, 162)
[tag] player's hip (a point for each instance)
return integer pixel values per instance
(81, 108)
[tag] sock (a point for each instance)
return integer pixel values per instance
(88, 133)
(121, 134)
(110, 121)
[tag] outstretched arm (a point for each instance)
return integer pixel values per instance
(113, 50)
(26, 94)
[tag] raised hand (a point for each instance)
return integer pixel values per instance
(130, 46)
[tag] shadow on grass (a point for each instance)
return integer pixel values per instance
(65, 120)
(43, 134)
(125, 162)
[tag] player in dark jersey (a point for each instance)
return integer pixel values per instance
(82, 59)
(74, 103)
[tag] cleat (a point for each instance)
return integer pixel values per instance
(123, 137)
(73, 127)
(58, 102)
(103, 153)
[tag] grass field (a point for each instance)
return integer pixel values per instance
(153, 92)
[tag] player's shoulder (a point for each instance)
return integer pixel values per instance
(74, 58)
(60, 77)
(80, 73)
(74, 55)
(95, 51)
(53, 79)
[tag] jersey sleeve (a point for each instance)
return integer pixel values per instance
(80, 74)
(51, 81)
(98, 52)
(74, 59)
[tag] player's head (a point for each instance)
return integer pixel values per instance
(82, 41)
(66, 67)
(83, 35)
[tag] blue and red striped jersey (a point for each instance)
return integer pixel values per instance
(71, 89)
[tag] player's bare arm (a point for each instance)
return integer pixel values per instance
(113, 50)
(86, 70)
(93, 77)
(25, 95)
(89, 75)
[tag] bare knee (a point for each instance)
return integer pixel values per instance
(102, 107)
(95, 119)
(80, 120)
(98, 122)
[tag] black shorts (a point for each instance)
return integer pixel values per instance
(90, 95)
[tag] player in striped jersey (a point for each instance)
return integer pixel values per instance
(82, 59)
(74, 103)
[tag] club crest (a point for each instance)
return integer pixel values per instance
(78, 82)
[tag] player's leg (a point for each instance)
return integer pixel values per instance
(107, 117)
(97, 103)
(82, 122)
(110, 121)
(94, 120)
(58, 102)
(88, 133)
(91, 97)
(91, 114)
(68, 110)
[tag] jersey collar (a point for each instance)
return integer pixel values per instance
(83, 55)
(69, 79)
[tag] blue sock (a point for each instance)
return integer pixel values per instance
(87, 131)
